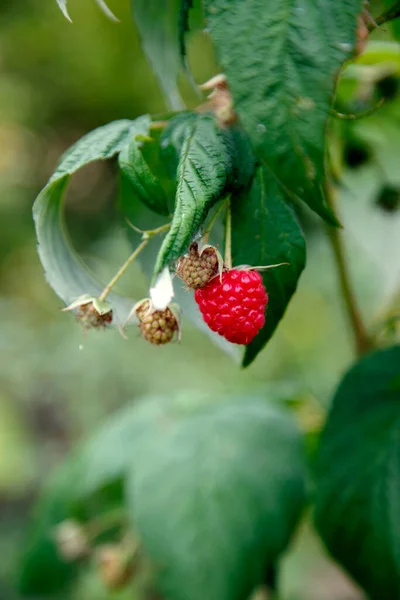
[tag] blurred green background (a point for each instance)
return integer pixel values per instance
(59, 80)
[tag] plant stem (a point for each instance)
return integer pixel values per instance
(228, 237)
(122, 270)
(389, 15)
(105, 522)
(362, 340)
(145, 240)
(215, 216)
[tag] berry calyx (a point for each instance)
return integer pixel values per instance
(157, 326)
(197, 268)
(234, 305)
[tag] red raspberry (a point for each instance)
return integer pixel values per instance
(235, 306)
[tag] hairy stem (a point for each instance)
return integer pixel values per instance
(389, 15)
(362, 340)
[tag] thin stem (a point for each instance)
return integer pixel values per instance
(149, 232)
(361, 115)
(215, 216)
(155, 125)
(362, 341)
(389, 15)
(122, 270)
(228, 237)
(105, 522)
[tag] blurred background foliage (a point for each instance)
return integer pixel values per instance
(57, 81)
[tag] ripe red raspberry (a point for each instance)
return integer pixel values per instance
(196, 269)
(235, 306)
(157, 326)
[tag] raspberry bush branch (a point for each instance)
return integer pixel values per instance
(390, 14)
(362, 340)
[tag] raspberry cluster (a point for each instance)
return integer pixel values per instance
(157, 326)
(197, 269)
(234, 305)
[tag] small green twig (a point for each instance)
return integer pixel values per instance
(122, 270)
(389, 15)
(228, 237)
(147, 234)
(361, 115)
(105, 522)
(362, 340)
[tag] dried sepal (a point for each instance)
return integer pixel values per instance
(91, 312)
(261, 267)
(220, 100)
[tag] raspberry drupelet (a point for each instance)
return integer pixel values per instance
(234, 305)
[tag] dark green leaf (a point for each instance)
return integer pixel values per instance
(147, 187)
(64, 270)
(358, 474)
(158, 25)
(281, 59)
(209, 167)
(215, 494)
(265, 231)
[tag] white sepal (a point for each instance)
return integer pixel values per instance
(162, 292)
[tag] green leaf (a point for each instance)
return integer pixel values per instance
(358, 474)
(209, 167)
(146, 185)
(65, 271)
(158, 25)
(215, 495)
(110, 455)
(282, 78)
(100, 144)
(265, 231)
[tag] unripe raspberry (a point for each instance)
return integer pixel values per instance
(89, 318)
(234, 305)
(196, 269)
(71, 540)
(91, 312)
(114, 568)
(157, 326)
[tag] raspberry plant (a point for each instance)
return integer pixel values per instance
(214, 487)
